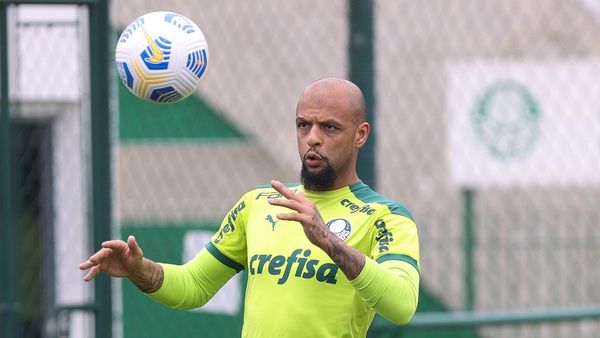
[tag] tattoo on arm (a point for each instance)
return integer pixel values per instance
(151, 280)
(348, 259)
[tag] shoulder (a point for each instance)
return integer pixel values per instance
(367, 195)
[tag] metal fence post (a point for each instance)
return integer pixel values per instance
(6, 231)
(101, 182)
(469, 248)
(362, 72)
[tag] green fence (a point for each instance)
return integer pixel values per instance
(486, 126)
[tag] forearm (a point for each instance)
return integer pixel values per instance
(392, 290)
(348, 259)
(150, 278)
(193, 284)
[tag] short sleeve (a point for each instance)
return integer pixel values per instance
(228, 244)
(395, 238)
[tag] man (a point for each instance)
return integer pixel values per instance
(322, 256)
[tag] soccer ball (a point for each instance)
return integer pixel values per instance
(161, 57)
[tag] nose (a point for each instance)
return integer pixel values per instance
(314, 137)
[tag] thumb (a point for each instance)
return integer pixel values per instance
(134, 247)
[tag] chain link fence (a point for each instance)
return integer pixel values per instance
(487, 125)
(497, 152)
(48, 165)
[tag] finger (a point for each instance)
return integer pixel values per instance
(86, 265)
(302, 199)
(290, 204)
(296, 217)
(99, 256)
(117, 245)
(134, 246)
(283, 190)
(92, 273)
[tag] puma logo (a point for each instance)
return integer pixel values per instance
(272, 221)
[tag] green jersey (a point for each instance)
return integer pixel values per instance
(294, 288)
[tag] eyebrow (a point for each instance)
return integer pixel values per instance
(328, 121)
(332, 122)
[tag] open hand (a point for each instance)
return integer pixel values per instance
(116, 258)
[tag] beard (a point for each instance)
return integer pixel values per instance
(319, 180)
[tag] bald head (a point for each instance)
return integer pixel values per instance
(336, 92)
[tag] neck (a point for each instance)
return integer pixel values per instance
(346, 177)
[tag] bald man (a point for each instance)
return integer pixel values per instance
(322, 256)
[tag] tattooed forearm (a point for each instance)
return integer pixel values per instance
(348, 259)
(151, 279)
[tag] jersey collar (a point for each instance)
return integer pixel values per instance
(334, 193)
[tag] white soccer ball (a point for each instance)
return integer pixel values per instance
(161, 57)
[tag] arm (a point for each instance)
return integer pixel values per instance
(151, 277)
(183, 287)
(348, 259)
(391, 288)
(193, 284)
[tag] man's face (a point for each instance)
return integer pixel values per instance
(326, 134)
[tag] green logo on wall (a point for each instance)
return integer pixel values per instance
(506, 120)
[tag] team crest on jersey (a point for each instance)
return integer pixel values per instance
(340, 227)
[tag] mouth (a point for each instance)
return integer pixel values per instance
(313, 159)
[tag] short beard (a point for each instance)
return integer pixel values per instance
(321, 180)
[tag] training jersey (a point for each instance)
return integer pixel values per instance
(294, 289)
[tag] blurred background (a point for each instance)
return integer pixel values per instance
(486, 126)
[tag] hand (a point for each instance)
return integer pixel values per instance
(307, 213)
(116, 258)
(349, 260)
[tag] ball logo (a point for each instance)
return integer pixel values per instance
(340, 227)
(158, 52)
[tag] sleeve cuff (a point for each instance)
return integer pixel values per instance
(167, 270)
(367, 274)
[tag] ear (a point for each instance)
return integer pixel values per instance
(362, 133)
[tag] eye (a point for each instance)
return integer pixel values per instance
(329, 126)
(301, 125)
